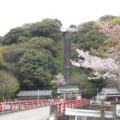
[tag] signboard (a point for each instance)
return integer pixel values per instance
(118, 110)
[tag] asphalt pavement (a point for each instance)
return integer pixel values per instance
(32, 114)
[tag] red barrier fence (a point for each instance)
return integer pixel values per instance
(61, 106)
(23, 105)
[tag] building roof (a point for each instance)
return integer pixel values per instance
(68, 89)
(116, 95)
(35, 93)
(109, 91)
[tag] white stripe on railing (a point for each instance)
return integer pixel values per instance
(87, 113)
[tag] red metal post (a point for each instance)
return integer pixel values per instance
(1, 108)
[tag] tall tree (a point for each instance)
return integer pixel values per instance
(110, 69)
(89, 36)
(33, 61)
(8, 84)
(14, 36)
(35, 68)
(47, 28)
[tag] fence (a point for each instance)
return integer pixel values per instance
(23, 105)
(30, 104)
(88, 113)
(61, 106)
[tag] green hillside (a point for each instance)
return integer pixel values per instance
(33, 53)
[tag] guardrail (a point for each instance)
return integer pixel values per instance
(88, 113)
(61, 106)
(30, 104)
(23, 105)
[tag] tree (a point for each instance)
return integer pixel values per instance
(110, 69)
(8, 84)
(107, 18)
(1, 40)
(89, 36)
(88, 89)
(13, 54)
(37, 68)
(14, 36)
(2, 62)
(42, 43)
(35, 52)
(47, 28)
(33, 62)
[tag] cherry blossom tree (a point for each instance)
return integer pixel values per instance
(109, 67)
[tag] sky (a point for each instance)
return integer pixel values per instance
(15, 13)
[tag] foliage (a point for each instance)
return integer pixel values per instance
(80, 78)
(33, 61)
(105, 68)
(41, 43)
(8, 84)
(34, 49)
(107, 18)
(107, 44)
(13, 54)
(1, 56)
(35, 52)
(89, 36)
(47, 28)
(36, 68)
(59, 57)
(14, 36)
(115, 21)
(1, 40)
(87, 88)
(2, 62)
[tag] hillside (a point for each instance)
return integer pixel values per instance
(101, 38)
(111, 47)
(33, 53)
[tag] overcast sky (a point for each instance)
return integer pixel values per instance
(14, 13)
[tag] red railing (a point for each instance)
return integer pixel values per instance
(61, 106)
(23, 105)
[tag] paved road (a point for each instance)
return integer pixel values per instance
(33, 114)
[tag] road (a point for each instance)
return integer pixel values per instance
(33, 114)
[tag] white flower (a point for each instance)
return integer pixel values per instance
(96, 63)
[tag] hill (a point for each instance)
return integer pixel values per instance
(101, 38)
(33, 53)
